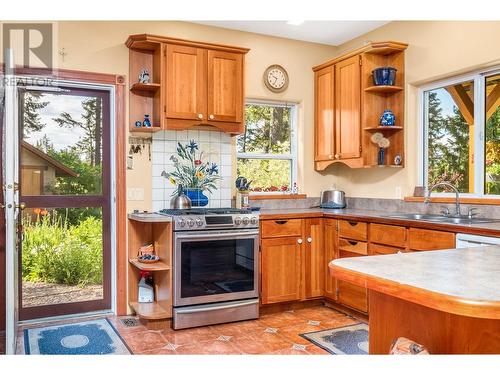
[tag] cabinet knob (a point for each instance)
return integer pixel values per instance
(299, 241)
(330, 156)
(200, 115)
(309, 240)
(337, 156)
(211, 117)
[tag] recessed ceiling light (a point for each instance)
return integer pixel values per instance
(295, 23)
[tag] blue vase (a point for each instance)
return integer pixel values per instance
(388, 118)
(198, 199)
(381, 156)
(147, 122)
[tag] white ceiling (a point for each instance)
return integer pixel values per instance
(326, 32)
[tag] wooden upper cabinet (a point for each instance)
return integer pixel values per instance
(186, 88)
(281, 269)
(225, 86)
(348, 108)
(324, 113)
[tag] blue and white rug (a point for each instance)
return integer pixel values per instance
(90, 337)
(351, 339)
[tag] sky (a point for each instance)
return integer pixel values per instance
(61, 137)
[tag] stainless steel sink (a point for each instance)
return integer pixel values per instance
(444, 219)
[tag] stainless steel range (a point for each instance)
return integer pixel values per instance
(216, 260)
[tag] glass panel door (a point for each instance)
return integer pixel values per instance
(492, 131)
(65, 184)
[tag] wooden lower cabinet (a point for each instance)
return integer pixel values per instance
(313, 258)
(352, 296)
(281, 269)
(330, 246)
(426, 239)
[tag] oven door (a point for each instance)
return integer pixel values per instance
(215, 266)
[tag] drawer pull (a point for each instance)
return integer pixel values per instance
(281, 222)
(353, 223)
(353, 243)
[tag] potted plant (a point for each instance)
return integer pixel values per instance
(193, 173)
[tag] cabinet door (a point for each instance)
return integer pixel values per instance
(313, 259)
(186, 84)
(330, 246)
(351, 295)
(324, 131)
(281, 269)
(225, 86)
(348, 108)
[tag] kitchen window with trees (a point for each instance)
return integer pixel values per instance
(461, 128)
(267, 148)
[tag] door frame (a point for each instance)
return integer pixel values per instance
(118, 168)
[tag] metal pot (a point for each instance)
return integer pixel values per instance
(181, 201)
(332, 199)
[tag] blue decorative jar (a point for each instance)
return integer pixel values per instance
(387, 118)
(384, 76)
(146, 122)
(198, 199)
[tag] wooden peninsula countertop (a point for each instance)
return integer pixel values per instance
(446, 300)
(458, 281)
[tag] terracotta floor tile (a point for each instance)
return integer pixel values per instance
(239, 328)
(320, 313)
(167, 349)
(313, 349)
(279, 320)
(190, 335)
(209, 347)
(261, 343)
(338, 322)
(292, 332)
(290, 351)
(142, 341)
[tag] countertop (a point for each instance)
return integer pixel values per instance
(380, 217)
(459, 281)
(150, 217)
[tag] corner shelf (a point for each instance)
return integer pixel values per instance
(382, 128)
(153, 310)
(383, 88)
(144, 129)
(152, 267)
(145, 87)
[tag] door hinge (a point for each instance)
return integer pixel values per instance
(360, 60)
(165, 109)
(360, 148)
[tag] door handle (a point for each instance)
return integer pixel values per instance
(21, 206)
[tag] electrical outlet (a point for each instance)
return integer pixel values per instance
(135, 194)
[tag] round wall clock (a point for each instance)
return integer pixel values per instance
(276, 78)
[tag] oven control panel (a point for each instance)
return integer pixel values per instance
(194, 222)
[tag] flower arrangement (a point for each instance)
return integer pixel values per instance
(190, 171)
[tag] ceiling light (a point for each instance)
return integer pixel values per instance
(295, 23)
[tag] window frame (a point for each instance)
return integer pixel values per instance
(479, 80)
(292, 156)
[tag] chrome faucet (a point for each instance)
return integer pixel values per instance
(447, 184)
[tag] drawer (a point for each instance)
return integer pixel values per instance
(425, 239)
(353, 246)
(281, 228)
(375, 249)
(353, 229)
(388, 235)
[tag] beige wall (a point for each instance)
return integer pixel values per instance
(99, 46)
(436, 50)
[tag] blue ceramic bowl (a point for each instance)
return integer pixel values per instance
(384, 76)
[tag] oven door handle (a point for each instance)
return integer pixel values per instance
(198, 235)
(213, 308)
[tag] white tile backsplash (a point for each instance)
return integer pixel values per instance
(217, 148)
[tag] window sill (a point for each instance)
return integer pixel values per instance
(489, 201)
(256, 197)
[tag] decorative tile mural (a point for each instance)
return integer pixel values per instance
(217, 148)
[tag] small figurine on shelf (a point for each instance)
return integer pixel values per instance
(147, 122)
(383, 144)
(138, 124)
(144, 76)
(295, 188)
(387, 118)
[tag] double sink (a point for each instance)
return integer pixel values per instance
(444, 218)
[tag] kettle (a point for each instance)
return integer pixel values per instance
(332, 199)
(181, 201)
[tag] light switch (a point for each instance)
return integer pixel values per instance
(135, 194)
